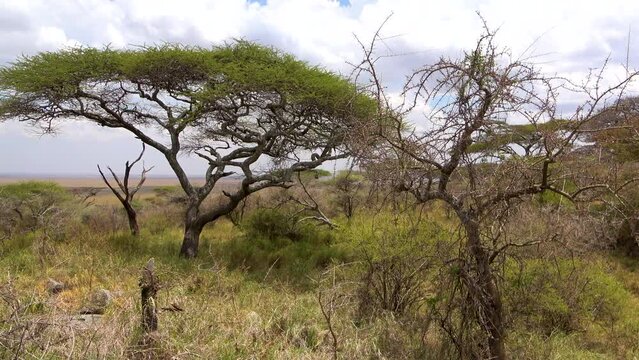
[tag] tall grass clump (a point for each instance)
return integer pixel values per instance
(276, 242)
(569, 306)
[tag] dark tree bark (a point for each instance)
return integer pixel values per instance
(484, 290)
(132, 217)
(126, 197)
(192, 231)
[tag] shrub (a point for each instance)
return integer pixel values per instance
(104, 219)
(33, 205)
(28, 189)
(393, 283)
(562, 297)
(273, 242)
(397, 264)
(171, 194)
(270, 224)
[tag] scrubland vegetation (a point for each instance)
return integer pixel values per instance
(273, 287)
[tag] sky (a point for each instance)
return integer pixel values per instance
(563, 37)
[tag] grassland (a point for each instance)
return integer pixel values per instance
(104, 196)
(261, 291)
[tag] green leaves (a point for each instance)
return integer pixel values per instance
(28, 189)
(202, 75)
(58, 74)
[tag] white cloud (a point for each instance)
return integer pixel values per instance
(322, 30)
(565, 37)
(51, 38)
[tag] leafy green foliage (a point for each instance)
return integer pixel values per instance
(273, 241)
(397, 255)
(314, 174)
(204, 74)
(28, 189)
(563, 297)
(578, 309)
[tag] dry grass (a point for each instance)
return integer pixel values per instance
(236, 313)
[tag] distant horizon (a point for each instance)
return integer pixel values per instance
(95, 181)
(86, 175)
(89, 175)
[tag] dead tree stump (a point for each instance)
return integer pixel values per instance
(149, 286)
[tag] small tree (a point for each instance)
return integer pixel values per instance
(40, 207)
(347, 185)
(126, 198)
(241, 107)
(491, 138)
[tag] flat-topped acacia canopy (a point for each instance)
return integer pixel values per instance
(231, 105)
(203, 75)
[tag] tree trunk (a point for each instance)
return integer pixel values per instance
(192, 231)
(485, 292)
(133, 219)
(191, 241)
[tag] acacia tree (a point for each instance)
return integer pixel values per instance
(492, 136)
(616, 129)
(126, 197)
(241, 107)
(615, 149)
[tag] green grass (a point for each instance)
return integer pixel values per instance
(253, 292)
